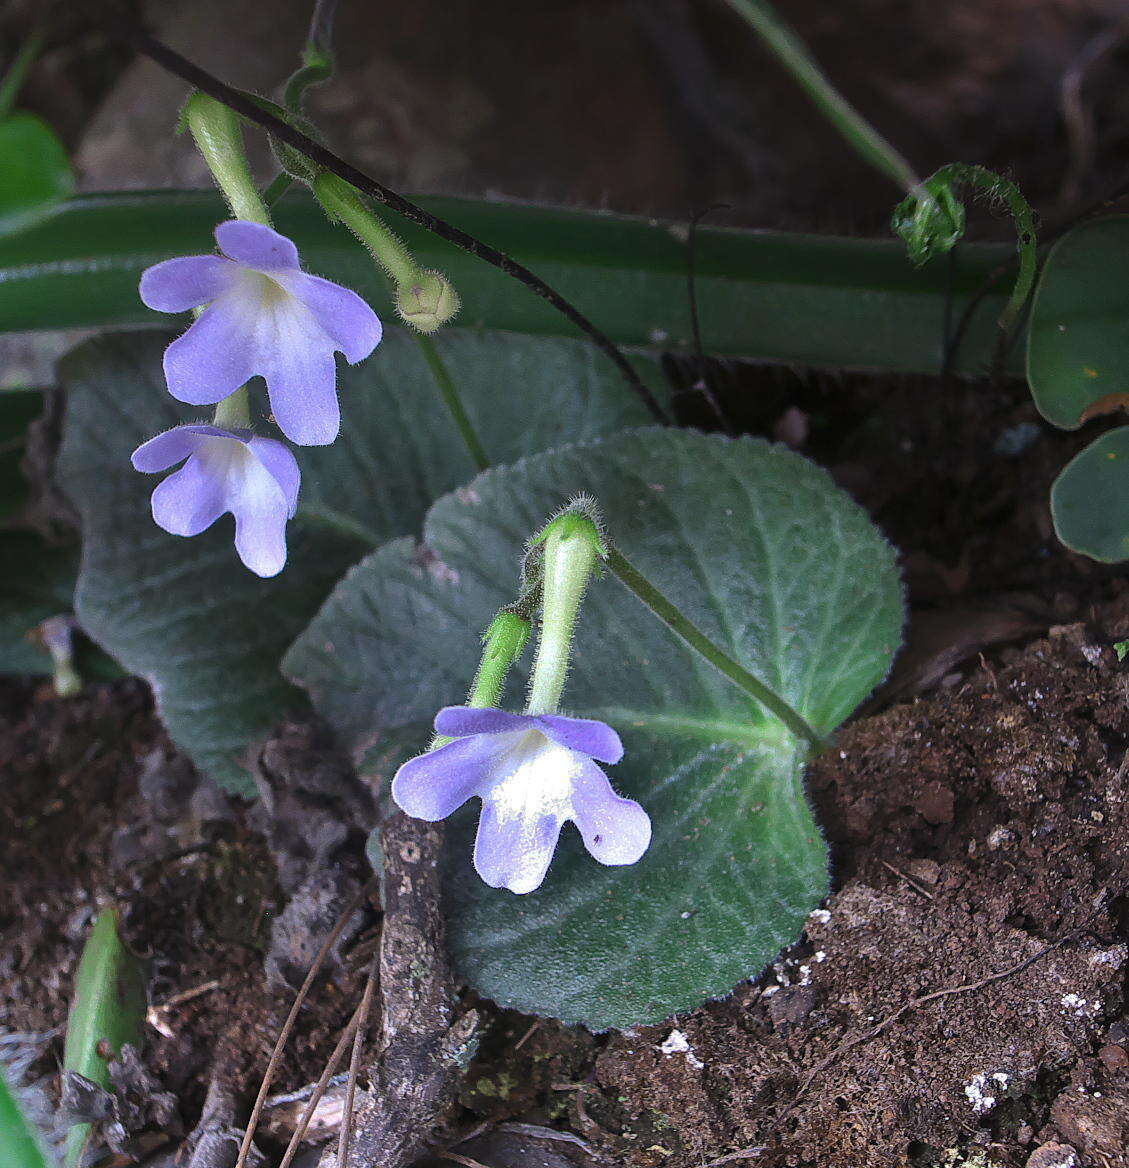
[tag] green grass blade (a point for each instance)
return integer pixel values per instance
(19, 1144)
(107, 1011)
(804, 299)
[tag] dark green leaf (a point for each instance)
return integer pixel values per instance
(35, 173)
(1078, 341)
(794, 298)
(1090, 499)
(770, 561)
(185, 614)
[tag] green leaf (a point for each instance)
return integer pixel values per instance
(759, 552)
(1078, 343)
(20, 1146)
(185, 614)
(794, 298)
(35, 173)
(1090, 499)
(107, 1010)
(37, 583)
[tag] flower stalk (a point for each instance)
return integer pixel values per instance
(215, 129)
(424, 298)
(503, 644)
(572, 549)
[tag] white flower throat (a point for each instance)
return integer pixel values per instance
(535, 777)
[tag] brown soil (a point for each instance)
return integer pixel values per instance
(975, 946)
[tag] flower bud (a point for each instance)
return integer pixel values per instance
(930, 220)
(428, 301)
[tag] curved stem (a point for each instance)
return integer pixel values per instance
(453, 402)
(13, 79)
(174, 63)
(795, 56)
(994, 186)
(698, 641)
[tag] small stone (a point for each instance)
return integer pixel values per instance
(1113, 1057)
(935, 803)
(1000, 837)
(927, 871)
(791, 1006)
(1053, 1156)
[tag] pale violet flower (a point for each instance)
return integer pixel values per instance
(264, 317)
(532, 772)
(256, 479)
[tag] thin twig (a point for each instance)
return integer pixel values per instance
(243, 105)
(323, 1082)
(703, 384)
(355, 1063)
(291, 1018)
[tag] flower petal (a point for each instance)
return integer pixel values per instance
(514, 851)
(615, 830)
(261, 509)
(302, 386)
(185, 282)
(459, 721)
(342, 315)
(283, 466)
(433, 785)
(596, 739)
(256, 245)
(216, 355)
(190, 500)
(165, 450)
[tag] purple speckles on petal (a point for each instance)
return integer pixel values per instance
(256, 479)
(264, 317)
(532, 773)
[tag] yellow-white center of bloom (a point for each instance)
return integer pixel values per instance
(535, 778)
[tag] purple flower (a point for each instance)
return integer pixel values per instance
(532, 772)
(265, 316)
(256, 479)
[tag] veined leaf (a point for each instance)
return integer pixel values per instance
(765, 558)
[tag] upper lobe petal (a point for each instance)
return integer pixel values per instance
(190, 500)
(186, 282)
(165, 450)
(433, 785)
(216, 355)
(596, 739)
(256, 245)
(459, 721)
(342, 315)
(615, 830)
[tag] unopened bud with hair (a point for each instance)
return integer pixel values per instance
(424, 298)
(427, 302)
